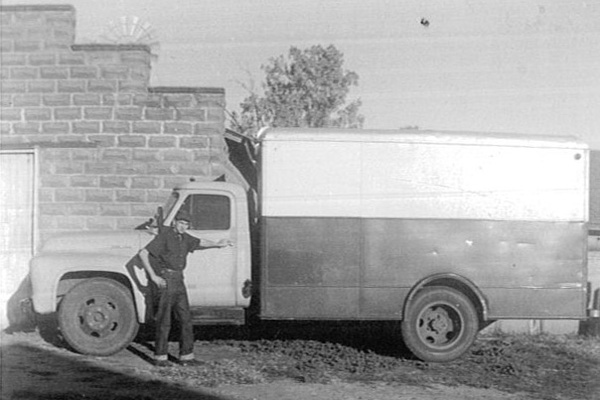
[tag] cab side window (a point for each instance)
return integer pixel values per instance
(209, 212)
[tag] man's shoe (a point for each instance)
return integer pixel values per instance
(161, 363)
(190, 363)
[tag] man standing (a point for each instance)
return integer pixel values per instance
(167, 253)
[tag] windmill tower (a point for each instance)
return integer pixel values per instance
(131, 30)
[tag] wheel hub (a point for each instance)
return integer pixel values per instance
(98, 317)
(438, 322)
(436, 326)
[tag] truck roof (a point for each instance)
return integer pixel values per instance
(209, 185)
(419, 136)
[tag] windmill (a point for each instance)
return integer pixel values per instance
(131, 30)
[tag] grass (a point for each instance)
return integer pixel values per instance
(543, 366)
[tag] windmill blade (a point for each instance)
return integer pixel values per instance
(131, 30)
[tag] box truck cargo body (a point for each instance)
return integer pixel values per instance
(442, 232)
(355, 221)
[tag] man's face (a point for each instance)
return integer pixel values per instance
(181, 226)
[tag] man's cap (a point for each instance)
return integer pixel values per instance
(183, 216)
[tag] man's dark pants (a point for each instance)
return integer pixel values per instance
(174, 301)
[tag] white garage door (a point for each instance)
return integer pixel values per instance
(17, 219)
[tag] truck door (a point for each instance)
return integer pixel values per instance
(210, 274)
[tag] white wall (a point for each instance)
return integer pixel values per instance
(17, 219)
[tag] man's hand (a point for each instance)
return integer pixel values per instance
(159, 281)
(225, 243)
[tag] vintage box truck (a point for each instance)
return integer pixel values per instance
(442, 232)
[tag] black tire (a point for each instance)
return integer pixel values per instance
(97, 317)
(440, 324)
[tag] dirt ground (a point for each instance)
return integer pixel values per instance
(33, 369)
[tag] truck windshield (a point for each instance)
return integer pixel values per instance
(170, 203)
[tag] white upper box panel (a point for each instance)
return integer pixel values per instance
(430, 175)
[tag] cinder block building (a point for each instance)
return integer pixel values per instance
(85, 142)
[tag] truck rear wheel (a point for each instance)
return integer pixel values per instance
(440, 324)
(97, 317)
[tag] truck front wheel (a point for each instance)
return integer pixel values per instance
(97, 317)
(440, 324)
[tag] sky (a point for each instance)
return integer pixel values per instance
(505, 66)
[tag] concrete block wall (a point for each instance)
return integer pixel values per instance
(110, 146)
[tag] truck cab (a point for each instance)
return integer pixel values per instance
(99, 290)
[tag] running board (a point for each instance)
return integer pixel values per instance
(218, 316)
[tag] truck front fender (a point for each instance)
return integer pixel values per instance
(48, 270)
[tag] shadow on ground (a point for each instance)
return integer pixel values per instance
(33, 373)
(383, 338)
